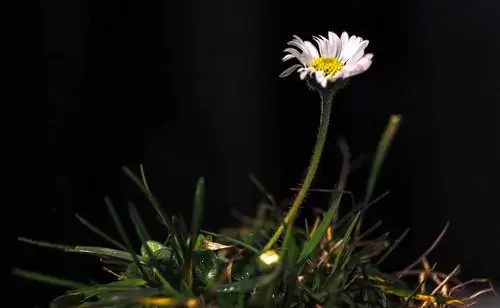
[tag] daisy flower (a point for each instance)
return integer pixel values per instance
(335, 58)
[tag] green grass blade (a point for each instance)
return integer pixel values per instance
(199, 203)
(318, 235)
(165, 219)
(178, 238)
(88, 250)
(104, 252)
(47, 279)
(45, 244)
(126, 240)
(145, 190)
(381, 153)
(143, 178)
(97, 231)
(345, 240)
(289, 250)
(139, 225)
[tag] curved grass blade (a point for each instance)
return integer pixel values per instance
(320, 232)
(345, 240)
(125, 238)
(47, 279)
(380, 154)
(97, 231)
(165, 219)
(143, 177)
(382, 149)
(262, 189)
(139, 225)
(199, 202)
(90, 250)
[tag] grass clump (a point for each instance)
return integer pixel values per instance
(328, 263)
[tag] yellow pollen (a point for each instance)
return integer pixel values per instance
(329, 66)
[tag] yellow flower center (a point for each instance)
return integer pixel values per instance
(329, 66)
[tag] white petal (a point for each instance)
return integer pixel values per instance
(290, 70)
(294, 53)
(334, 44)
(321, 46)
(299, 43)
(344, 38)
(358, 54)
(312, 50)
(359, 67)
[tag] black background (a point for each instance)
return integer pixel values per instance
(190, 88)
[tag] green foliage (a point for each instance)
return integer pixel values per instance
(328, 264)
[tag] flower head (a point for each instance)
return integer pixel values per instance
(335, 58)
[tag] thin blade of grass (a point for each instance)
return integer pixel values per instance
(89, 250)
(47, 279)
(318, 235)
(306, 228)
(199, 203)
(126, 240)
(45, 244)
(262, 189)
(393, 246)
(140, 227)
(97, 231)
(380, 154)
(345, 240)
(143, 178)
(165, 219)
(196, 219)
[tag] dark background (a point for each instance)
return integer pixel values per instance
(190, 88)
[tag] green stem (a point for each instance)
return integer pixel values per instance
(326, 107)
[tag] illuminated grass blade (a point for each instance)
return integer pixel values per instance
(87, 250)
(381, 153)
(199, 203)
(320, 232)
